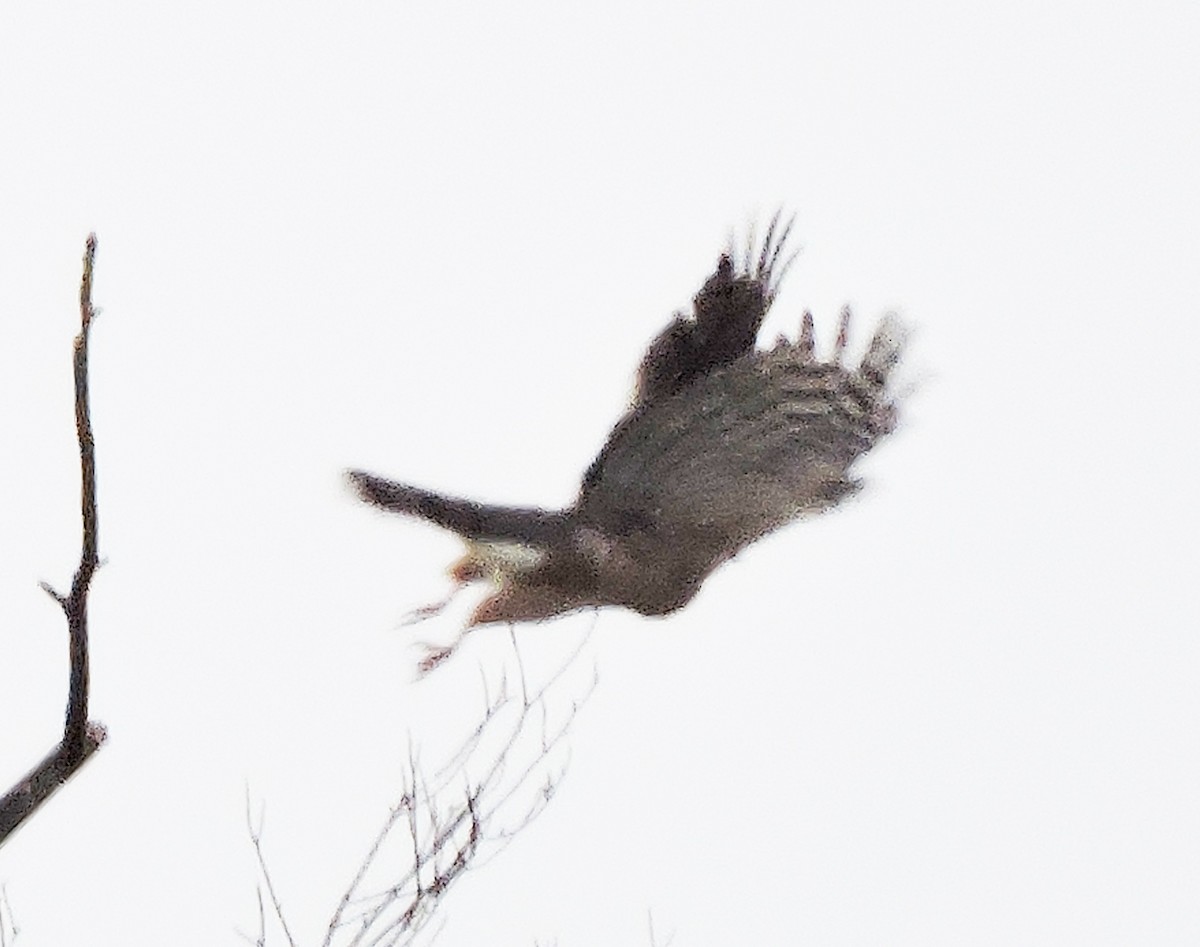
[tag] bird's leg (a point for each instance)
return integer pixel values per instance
(433, 609)
(436, 654)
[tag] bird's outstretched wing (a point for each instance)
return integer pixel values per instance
(723, 326)
(743, 449)
(477, 521)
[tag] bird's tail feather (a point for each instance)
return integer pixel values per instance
(465, 517)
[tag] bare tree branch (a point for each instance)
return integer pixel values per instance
(8, 924)
(470, 809)
(256, 838)
(81, 738)
(261, 939)
(457, 821)
(653, 938)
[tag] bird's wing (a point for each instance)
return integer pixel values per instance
(726, 316)
(531, 526)
(745, 448)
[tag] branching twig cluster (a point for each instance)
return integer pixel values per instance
(81, 738)
(459, 816)
(442, 826)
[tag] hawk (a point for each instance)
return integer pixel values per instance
(723, 443)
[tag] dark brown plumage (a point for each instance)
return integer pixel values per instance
(723, 443)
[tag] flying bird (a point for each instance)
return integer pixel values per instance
(723, 443)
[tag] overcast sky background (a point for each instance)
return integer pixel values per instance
(433, 241)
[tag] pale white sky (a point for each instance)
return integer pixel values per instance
(433, 240)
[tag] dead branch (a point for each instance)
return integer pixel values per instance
(9, 932)
(441, 827)
(457, 821)
(81, 738)
(256, 838)
(653, 938)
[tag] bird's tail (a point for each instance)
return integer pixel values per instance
(465, 517)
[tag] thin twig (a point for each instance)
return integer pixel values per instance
(256, 838)
(414, 830)
(80, 738)
(261, 940)
(7, 921)
(653, 936)
(445, 841)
